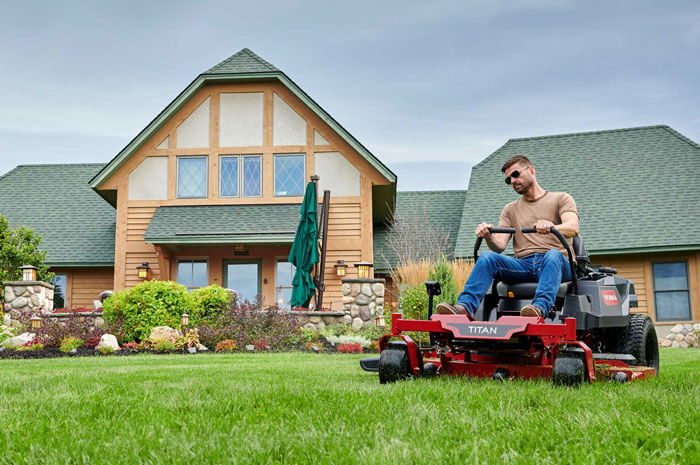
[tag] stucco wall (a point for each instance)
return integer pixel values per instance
(337, 174)
(241, 120)
(149, 181)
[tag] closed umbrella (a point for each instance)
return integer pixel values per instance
(304, 251)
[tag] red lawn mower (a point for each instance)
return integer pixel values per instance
(589, 335)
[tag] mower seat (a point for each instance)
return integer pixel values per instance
(526, 290)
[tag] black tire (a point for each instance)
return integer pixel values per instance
(642, 342)
(568, 371)
(393, 363)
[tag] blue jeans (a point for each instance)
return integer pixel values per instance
(549, 269)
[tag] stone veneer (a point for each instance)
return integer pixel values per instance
(682, 336)
(317, 321)
(27, 297)
(363, 300)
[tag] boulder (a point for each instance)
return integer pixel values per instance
(684, 344)
(691, 339)
(163, 334)
(688, 327)
(357, 324)
(675, 344)
(679, 337)
(18, 341)
(677, 329)
(665, 343)
(108, 340)
(202, 348)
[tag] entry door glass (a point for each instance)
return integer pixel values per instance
(244, 278)
(285, 275)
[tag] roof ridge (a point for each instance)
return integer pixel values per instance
(247, 52)
(587, 133)
(60, 164)
(682, 137)
(431, 191)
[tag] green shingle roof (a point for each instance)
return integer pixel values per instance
(76, 224)
(223, 224)
(442, 210)
(244, 61)
(635, 188)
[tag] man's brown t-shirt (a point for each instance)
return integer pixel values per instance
(523, 213)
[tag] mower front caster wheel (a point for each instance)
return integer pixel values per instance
(394, 364)
(568, 371)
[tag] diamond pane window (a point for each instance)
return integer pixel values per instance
(252, 168)
(191, 177)
(228, 177)
(289, 175)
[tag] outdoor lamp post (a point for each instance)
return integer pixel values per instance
(36, 322)
(144, 271)
(340, 267)
(363, 269)
(28, 273)
(184, 321)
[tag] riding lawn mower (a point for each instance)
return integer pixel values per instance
(589, 335)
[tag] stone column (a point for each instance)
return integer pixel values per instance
(363, 300)
(28, 297)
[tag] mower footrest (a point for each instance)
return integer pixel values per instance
(370, 364)
(626, 358)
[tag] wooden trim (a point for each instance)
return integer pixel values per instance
(163, 262)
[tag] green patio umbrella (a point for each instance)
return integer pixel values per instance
(304, 251)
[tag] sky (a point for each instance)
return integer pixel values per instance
(430, 88)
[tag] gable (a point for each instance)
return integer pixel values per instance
(629, 186)
(242, 68)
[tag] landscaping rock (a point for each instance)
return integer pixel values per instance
(677, 329)
(18, 341)
(688, 327)
(696, 327)
(108, 340)
(202, 348)
(163, 334)
(250, 348)
(366, 290)
(679, 337)
(357, 324)
(691, 339)
(684, 344)
(675, 344)
(665, 343)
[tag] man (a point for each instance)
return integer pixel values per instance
(538, 257)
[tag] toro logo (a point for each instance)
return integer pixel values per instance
(609, 297)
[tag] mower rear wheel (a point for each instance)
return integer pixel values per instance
(393, 363)
(642, 342)
(568, 371)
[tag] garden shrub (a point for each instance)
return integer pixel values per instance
(442, 273)
(106, 350)
(69, 343)
(138, 310)
(372, 332)
(132, 346)
(54, 333)
(92, 342)
(7, 333)
(336, 329)
(166, 346)
(34, 344)
(227, 345)
(414, 302)
(349, 339)
(210, 303)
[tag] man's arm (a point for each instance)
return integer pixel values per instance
(568, 226)
(495, 242)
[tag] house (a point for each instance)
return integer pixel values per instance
(209, 193)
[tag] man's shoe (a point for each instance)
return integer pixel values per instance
(443, 308)
(531, 310)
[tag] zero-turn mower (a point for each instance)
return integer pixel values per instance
(589, 335)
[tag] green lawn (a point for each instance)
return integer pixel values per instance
(309, 408)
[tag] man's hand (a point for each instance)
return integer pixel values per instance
(483, 230)
(543, 226)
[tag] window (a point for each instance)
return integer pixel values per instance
(289, 175)
(191, 177)
(283, 284)
(60, 283)
(232, 175)
(671, 296)
(252, 181)
(192, 273)
(228, 177)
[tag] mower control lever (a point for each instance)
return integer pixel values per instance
(492, 231)
(565, 244)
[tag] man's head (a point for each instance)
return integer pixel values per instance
(519, 173)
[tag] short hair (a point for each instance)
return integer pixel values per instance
(514, 160)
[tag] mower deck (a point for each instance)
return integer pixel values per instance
(512, 346)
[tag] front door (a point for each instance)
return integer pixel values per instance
(243, 276)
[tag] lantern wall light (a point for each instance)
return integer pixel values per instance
(28, 273)
(144, 271)
(340, 267)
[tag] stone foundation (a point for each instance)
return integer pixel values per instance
(94, 319)
(27, 298)
(682, 336)
(363, 300)
(317, 321)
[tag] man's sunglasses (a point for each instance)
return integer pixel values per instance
(514, 174)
